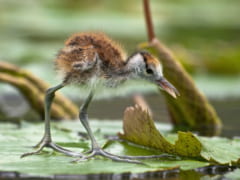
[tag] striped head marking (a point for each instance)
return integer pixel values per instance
(153, 67)
(145, 65)
(148, 67)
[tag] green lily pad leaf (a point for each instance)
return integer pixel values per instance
(221, 150)
(16, 140)
(187, 145)
(139, 128)
(235, 175)
(182, 164)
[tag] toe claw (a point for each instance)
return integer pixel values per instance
(79, 160)
(25, 154)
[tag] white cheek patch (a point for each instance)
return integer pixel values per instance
(159, 71)
(136, 62)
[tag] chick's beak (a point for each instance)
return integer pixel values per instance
(168, 87)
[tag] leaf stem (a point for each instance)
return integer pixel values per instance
(148, 20)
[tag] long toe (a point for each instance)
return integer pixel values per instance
(40, 146)
(100, 152)
(121, 159)
(39, 149)
(63, 150)
(143, 157)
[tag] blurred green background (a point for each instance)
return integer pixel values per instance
(204, 35)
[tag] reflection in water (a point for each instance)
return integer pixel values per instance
(174, 174)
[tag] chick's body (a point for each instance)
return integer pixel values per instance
(93, 58)
(88, 56)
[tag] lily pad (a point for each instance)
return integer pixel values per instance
(16, 140)
(235, 175)
(221, 150)
(139, 128)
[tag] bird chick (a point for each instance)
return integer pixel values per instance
(93, 58)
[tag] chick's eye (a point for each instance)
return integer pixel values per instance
(149, 71)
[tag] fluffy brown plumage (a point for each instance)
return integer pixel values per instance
(92, 58)
(78, 60)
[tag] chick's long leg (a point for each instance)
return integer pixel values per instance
(96, 149)
(46, 141)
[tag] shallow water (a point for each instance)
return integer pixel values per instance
(228, 109)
